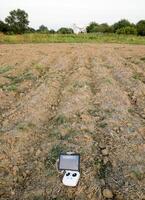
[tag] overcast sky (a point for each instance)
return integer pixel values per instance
(58, 13)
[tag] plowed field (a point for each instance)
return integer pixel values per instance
(87, 98)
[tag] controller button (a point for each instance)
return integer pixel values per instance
(74, 175)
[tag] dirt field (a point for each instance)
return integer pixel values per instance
(87, 98)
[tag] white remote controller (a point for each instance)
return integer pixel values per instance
(71, 178)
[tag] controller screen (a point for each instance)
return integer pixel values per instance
(69, 162)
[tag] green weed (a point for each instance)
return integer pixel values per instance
(108, 81)
(143, 59)
(140, 176)
(39, 197)
(136, 76)
(4, 69)
(71, 38)
(52, 158)
(10, 87)
(130, 110)
(94, 112)
(103, 124)
(61, 119)
(24, 76)
(15, 80)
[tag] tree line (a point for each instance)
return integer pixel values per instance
(17, 23)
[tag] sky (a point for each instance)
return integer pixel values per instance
(60, 13)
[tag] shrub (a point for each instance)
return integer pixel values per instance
(141, 28)
(43, 29)
(92, 28)
(52, 31)
(127, 30)
(64, 30)
(121, 24)
(3, 27)
(96, 28)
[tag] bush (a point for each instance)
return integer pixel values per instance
(43, 29)
(93, 28)
(121, 24)
(52, 31)
(64, 30)
(96, 28)
(141, 28)
(127, 30)
(3, 27)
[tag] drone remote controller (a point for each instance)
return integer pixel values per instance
(71, 178)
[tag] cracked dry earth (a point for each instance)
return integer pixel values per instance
(87, 98)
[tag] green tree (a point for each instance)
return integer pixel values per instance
(52, 31)
(43, 29)
(141, 28)
(64, 30)
(105, 28)
(102, 28)
(18, 21)
(129, 30)
(3, 27)
(93, 28)
(30, 30)
(121, 24)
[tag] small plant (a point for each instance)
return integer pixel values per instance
(52, 158)
(15, 80)
(108, 66)
(94, 112)
(10, 87)
(61, 119)
(143, 59)
(103, 124)
(138, 174)
(39, 197)
(24, 76)
(130, 110)
(4, 69)
(40, 68)
(108, 81)
(137, 76)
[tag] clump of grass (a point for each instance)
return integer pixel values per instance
(108, 66)
(78, 85)
(108, 81)
(103, 169)
(61, 119)
(103, 124)
(52, 158)
(25, 126)
(55, 133)
(10, 87)
(94, 112)
(39, 197)
(15, 80)
(40, 68)
(143, 59)
(138, 174)
(24, 76)
(70, 136)
(137, 76)
(130, 110)
(4, 69)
